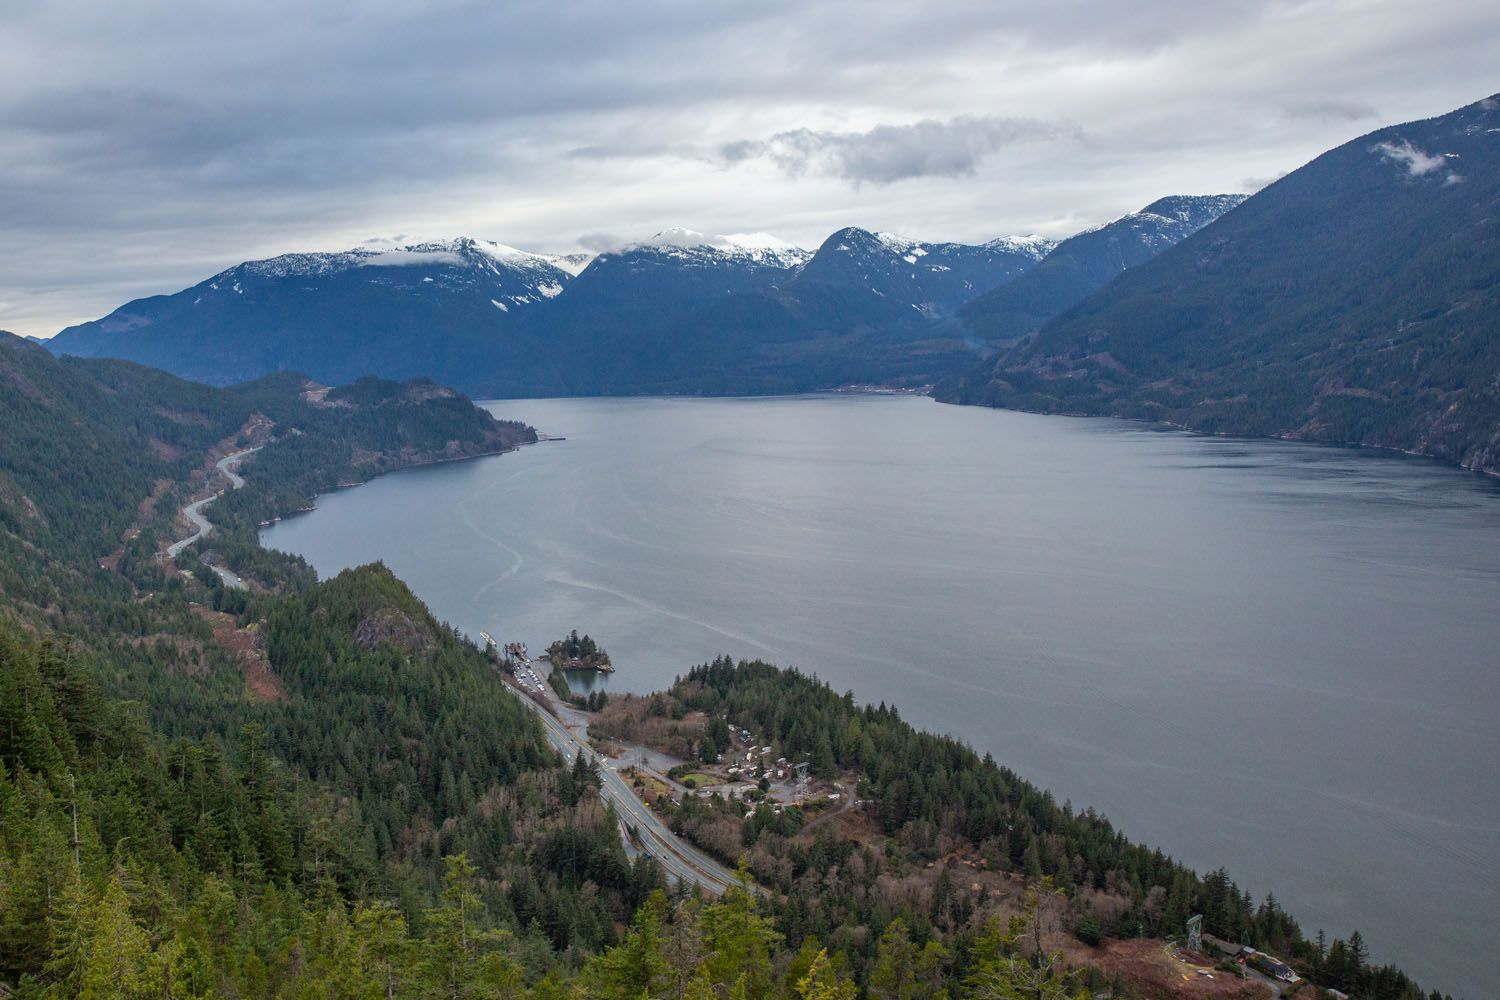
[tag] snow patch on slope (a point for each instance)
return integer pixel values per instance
(899, 245)
(572, 264)
(759, 248)
(1033, 246)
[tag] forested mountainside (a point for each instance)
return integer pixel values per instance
(89, 450)
(1083, 264)
(290, 840)
(1356, 300)
(684, 312)
(99, 455)
(309, 789)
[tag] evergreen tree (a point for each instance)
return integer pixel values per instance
(894, 976)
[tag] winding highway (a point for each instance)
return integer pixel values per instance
(193, 513)
(679, 859)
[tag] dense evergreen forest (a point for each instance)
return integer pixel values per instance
(316, 789)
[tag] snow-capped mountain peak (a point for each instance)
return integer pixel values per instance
(1034, 246)
(496, 272)
(759, 248)
(462, 251)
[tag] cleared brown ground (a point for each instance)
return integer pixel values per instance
(1146, 964)
(244, 646)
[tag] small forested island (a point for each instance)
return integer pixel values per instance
(314, 788)
(575, 652)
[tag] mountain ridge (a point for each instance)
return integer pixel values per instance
(1353, 301)
(682, 311)
(1086, 262)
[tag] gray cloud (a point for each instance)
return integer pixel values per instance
(1250, 185)
(149, 144)
(1330, 110)
(889, 153)
(598, 242)
(635, 149)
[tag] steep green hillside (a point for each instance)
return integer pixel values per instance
(85, 445)
(285, 841)
(1356, 300)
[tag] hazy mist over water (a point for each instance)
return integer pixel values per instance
(1274, 657)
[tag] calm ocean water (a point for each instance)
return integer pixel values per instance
(1283, 659)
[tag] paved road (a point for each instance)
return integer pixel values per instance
(223, 465)
(193, 512)
(678, 858)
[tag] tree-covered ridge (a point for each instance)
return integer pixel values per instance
(932, 796)
(387, 705)
(415, 420)
(1356, 300)
(395, 708)
(85, 443)
(98, 456)
(337, 437)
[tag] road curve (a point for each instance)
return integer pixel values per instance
(193, 513)
(679, 859)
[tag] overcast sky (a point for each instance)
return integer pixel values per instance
(148, 144)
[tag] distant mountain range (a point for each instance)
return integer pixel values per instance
(683, 312)
(1356, 300)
